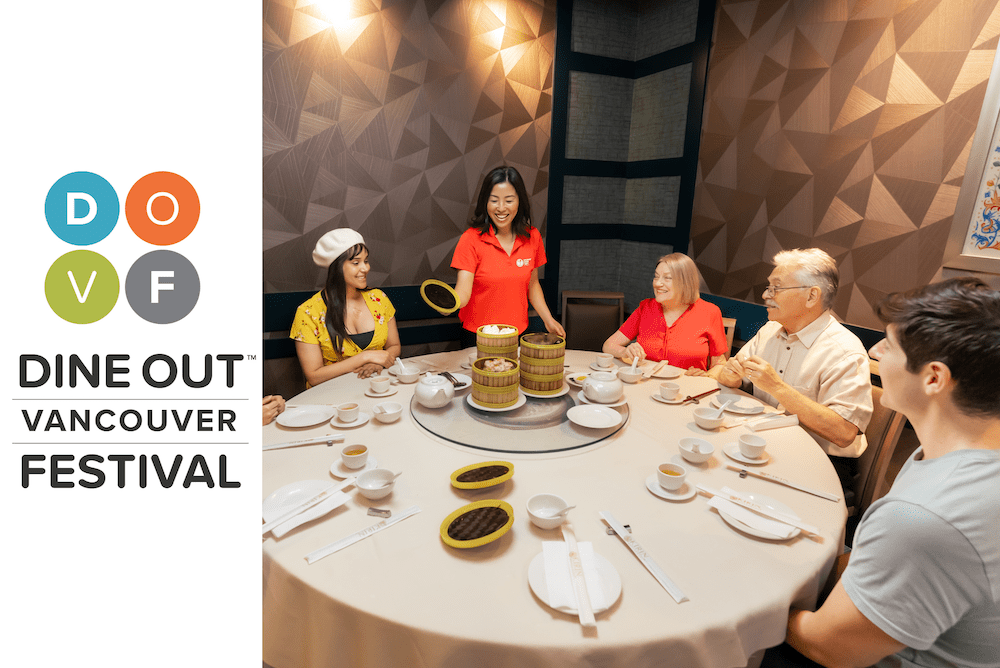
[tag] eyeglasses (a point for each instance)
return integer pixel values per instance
(770, 290)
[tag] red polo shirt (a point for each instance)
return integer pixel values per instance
(500, 288)
(695, 336)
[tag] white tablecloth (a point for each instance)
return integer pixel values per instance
(402, 598)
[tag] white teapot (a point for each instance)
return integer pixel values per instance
(434, 391)
(603, 387)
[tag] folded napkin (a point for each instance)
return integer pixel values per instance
(752, 519)
(322, 508)
(562, 596)
(773, 422)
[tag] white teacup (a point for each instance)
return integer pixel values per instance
(671, 476)
(473, 356)
(354, 456)
(348, 412)
(669, 391)
(605, 360)
(752, 446)
(379, 384)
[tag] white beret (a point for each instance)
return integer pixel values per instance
(332, 244)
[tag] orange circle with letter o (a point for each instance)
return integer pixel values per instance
(162, 208)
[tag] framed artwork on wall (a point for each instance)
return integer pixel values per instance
(974, 243)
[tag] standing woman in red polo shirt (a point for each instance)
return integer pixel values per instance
(498, 258)
(676, 324)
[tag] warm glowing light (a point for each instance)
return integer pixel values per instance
(335, 11)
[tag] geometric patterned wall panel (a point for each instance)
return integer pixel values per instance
(387, 121)
(842, 125)
(632, 29)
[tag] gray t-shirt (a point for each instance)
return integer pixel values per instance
(926, 561)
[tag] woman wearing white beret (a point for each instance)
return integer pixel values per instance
(346, 326)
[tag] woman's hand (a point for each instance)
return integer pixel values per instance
(383, 358)
(632, 351)
(273, 405)
(368, 370)
(695, 371)
(553, 327)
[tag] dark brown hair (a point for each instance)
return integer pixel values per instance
(522, 221)
(955, 322)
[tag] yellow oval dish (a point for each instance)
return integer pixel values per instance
(440, 293)
(481, 483)
(492, 526)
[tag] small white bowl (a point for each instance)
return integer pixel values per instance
(702, 416)
(540, 506)
(629, 376)
(372, 483)
(407, 377)
(390, 411)
(705, 450)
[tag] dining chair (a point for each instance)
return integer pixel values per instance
(883, 434)
(590, 317)
(730, 326)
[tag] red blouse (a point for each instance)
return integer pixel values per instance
(694, 337)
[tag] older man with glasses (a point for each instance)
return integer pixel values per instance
(807, 361)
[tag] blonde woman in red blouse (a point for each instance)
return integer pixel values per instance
(676, 325)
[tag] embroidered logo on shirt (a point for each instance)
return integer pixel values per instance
(523, 263)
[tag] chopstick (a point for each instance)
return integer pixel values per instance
(783, 481)
(307, 504)
(740, 500)
(585, 611)
(329, 439)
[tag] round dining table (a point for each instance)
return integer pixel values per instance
(402, 597)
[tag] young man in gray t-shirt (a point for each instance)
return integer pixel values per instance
(923, 584)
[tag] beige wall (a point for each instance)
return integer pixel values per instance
(843, 125)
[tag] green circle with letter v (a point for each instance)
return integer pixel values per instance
(81, 287)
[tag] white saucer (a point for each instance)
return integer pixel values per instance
(563, 391)
(611, 582)
(613, 404)
(306, 415)
(571, 378)
(732, 451)
(594, 416)
(521, 400)
(744, 406)
(338, 470)
(466, 381)
(770, 504)
(685, 492)
(670, 402)
(378, 395)
(363, 418)
(596, 367)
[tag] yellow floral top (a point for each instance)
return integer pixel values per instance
(309, 325)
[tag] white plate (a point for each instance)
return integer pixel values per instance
(466, 381)
(732, 451)
(306, 415)
(613, 404)
(571, 378)
(596, 367)
(770, 504)
(745, 405)
(563, 391)
(521, 400)
(282, 500)
(378, 395)
(611, 582)
(670, 402)
(668, 372)
(338, 470)
(594, 416)
(363, 419)
(685, 492)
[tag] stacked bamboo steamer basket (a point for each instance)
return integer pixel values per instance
(497, 345)
(541, 363)
(495, 389)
